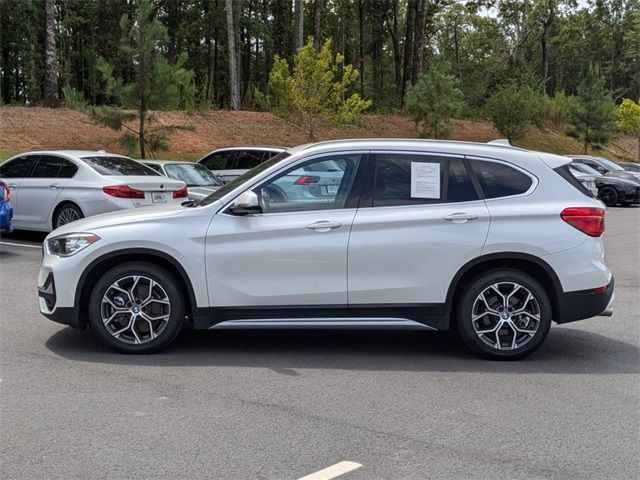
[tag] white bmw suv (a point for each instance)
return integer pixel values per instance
(491, 240)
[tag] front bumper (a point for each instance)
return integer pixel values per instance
(583, 304)
(65, 315)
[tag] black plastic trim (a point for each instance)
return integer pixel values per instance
(66, 316)
(48, 292)
(583, 304)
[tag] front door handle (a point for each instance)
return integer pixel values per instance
(54, 186)
(12, 185)
(324, 226)
(460, 217)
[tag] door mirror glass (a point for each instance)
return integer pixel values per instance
(601, 170)
(245, 204)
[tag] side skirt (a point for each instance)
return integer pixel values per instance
(383, 316)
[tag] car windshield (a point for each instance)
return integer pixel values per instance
(609, 164)
(115, 166)
(222, 191)
(194, 175)
(586, 169)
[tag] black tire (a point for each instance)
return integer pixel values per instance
(66, 213)
(166, 288)
(539, 306)
(609, 196)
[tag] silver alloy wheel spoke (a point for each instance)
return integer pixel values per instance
(67, 215)
(517, 317)
(135, 309)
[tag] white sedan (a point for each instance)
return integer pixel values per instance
(50, 189)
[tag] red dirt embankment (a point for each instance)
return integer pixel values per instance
(36, 128)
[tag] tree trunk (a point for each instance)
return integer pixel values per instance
(316, 30)
(50, 60)
(361, 43)
(408, 45)
(419, 40)
(298, 25)
(392, 27)
(456, 43)
(234, 87)
(545, 44)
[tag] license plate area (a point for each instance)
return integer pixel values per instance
(330, 189)
(158, 197)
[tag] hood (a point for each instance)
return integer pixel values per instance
(610, 179)
(120, 217)
(198, 193)
(624, 175)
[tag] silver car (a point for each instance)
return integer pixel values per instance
(231, 162)
(52, 188)
(200, 181)
(586, 176)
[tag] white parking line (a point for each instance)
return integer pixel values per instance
(20, 245)
(333, 471)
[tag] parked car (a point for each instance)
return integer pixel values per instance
(53, 188)
(495, 240)
(231, 162)
(6, 212)
(200, 181)
(612, 190)
(605, 166)
(630, 166)
(588, 179)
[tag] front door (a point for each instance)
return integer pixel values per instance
(295, 252)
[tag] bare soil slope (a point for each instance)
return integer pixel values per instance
(35, 128)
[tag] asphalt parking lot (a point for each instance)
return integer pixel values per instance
(282, 405)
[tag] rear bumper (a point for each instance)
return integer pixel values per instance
(6, 214)
(583, 304)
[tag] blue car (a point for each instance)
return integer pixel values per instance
(6, 212)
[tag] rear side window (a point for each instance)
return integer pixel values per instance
(54, 167)
(499, 180)
(18, 168)
(245, 160)
(217, 161)
(114, 166)
(402, 179)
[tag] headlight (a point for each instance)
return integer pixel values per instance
(70, 244)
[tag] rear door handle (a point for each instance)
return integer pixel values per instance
(12, 185)
(324, 226)
(460, 217)
(54, 186)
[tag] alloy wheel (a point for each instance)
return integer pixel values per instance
(67, 215)
(506, 316)
(135, 309)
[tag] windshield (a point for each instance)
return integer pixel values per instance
(222, 191)
(586, 169)
(611, 165)
(113, 166)
(194, 175)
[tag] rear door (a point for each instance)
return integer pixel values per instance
(423, 220)
(14, 173)
(40, 191)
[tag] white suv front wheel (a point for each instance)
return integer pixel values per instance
(136, 307)
(504, 315)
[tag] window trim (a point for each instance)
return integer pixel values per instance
(532, 187)
(351, 202)
(366, 199)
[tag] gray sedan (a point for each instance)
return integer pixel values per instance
(199, 179)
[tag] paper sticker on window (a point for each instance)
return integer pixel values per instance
(425, 180)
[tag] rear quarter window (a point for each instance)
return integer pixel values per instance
(500, 180)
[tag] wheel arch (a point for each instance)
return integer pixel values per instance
(530, 264)
(104, 263)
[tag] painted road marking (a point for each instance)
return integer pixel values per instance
(20, 245)
(333, 471)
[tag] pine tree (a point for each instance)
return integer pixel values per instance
(435, 99)
(592, 113)
(628, 120)
(508, 109)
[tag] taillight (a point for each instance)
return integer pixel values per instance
(123, 191)
(306, 180)
(182, 193)
(588, 220)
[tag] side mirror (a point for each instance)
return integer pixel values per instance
(601, 170)
(245, 204)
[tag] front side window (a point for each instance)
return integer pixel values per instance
(406, 179)
(193, 175)
(500, 180)
(217, 161)
(321, 184)
(244, 160)
(116, 166)
(54, 167)
(18, 168)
